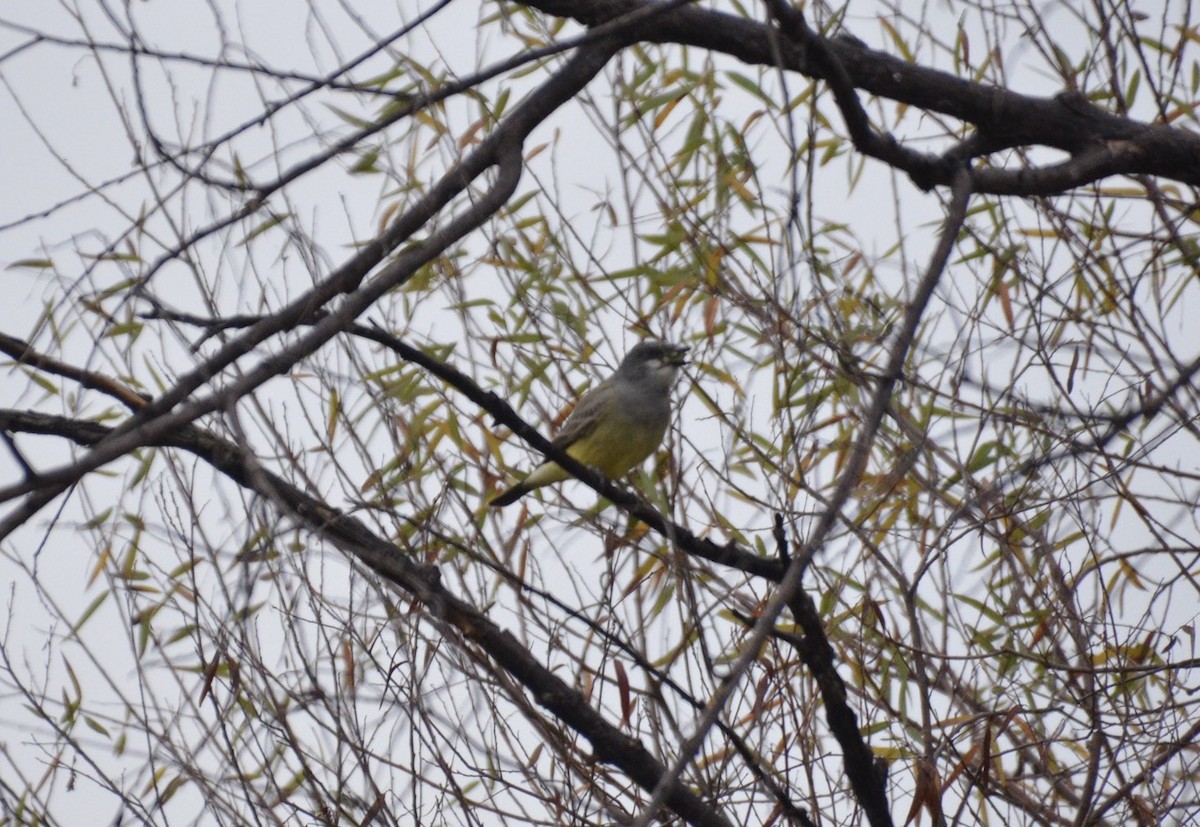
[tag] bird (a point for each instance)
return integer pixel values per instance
(616, 424)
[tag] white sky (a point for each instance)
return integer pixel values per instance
(63, 133)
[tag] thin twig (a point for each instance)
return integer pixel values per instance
(862, 777)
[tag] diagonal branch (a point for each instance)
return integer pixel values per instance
(1100, 143)
(819, 657)
(882, 146)
(730, 554)
(394, 564)
(24, 354)
(500, 150)
(620, 28)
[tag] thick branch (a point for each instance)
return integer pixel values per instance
(727, 555)
(843, 723)
(350, 535)
(501, 149)
(1101, 143)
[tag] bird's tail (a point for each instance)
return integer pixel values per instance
(511, 495)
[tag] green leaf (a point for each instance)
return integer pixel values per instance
(366, 164)
(89, 611)
(752, 87)
(31, 264)
(274, 221)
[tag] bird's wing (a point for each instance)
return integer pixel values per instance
(588, 410)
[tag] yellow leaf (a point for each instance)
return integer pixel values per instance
(335, 408)
(665, 112)
(1005, 302)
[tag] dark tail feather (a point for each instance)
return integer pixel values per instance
(510, 496)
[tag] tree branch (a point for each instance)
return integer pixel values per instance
(1100, 143)
(501, 149)
(401, 568)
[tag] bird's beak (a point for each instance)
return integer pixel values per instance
(677, 355)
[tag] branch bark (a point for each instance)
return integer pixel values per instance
(1099, 142)
(501, 150)
(399, 567)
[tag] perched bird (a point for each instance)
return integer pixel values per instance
(616, 424)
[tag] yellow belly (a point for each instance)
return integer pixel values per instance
(614, 447)
(617, 445)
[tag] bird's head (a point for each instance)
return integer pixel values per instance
(656, 358)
